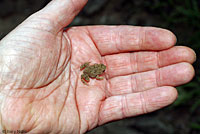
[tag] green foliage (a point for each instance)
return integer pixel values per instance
(189, 93)
(178, 11)
(195, 126)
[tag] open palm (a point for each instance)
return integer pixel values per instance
(41, 88)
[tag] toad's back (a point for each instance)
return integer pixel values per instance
(94, 70)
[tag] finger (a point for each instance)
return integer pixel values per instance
(119, 107)
(128, 63)
(62, 12)
(173, 75)
(116, 39)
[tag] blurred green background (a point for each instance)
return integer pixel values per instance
(182, 17)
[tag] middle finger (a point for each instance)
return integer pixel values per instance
(136, 62)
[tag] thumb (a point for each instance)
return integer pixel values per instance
(62, 12)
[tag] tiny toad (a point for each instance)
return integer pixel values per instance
(92, 71)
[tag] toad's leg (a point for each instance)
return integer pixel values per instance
(99, 77)
(84, 82)
(85, 79)
(84, 65)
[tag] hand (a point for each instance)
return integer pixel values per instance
(41, 88)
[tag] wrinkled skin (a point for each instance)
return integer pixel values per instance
(41, 89)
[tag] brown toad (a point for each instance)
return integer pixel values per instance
(92, 71)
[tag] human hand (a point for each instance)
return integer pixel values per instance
(41, 89)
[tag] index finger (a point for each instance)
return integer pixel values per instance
(117, 39)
